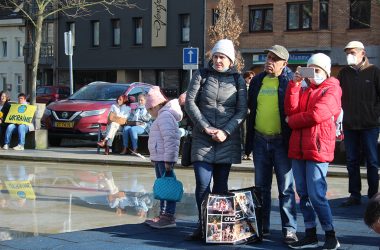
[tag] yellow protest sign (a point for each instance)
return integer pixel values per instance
(20, 113)
(20, 189)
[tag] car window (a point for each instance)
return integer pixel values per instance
(135, 92)
(40, 91)
(64, 91)
(146, 89)
(49, 91)
(99, 92)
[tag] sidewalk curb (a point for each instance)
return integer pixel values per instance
(89, 156)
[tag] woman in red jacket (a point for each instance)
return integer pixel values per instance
(311, 113)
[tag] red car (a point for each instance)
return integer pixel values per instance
(48, 94)
(80, 115)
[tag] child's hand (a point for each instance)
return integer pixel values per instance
(168, 166)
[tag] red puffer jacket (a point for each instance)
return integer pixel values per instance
(311, 116)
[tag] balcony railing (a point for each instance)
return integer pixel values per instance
(46, 53)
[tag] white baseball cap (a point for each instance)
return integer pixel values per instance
(354, 45)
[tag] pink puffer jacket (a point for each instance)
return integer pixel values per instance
(164, 137)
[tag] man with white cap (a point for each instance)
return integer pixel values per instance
(268, 138)
(360, 82)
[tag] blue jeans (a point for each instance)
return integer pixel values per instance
(166, 207)
(269, 154)
(133, 132)
(22, 130)
(311, 187)
(203, 173)
(367, 138)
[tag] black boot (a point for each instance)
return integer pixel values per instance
(197, 235)
(331, 242)
(309, 241)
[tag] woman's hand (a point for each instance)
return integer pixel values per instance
(297, 78)
(219, 136)
(211, 131)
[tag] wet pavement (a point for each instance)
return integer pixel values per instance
(65, 204)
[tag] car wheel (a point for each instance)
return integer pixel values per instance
(55, 142)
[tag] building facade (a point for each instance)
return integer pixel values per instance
(305, 28)
(12, 66)
(135, 44)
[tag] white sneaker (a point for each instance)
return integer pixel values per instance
(19, 147)
(6, 147)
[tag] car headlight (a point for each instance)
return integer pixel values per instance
(47, 112)
(92, 112)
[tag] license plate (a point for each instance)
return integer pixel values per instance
(64, 124)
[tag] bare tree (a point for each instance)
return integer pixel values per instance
(36, 11)
(227, 26)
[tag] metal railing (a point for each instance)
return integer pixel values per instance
(46, 53)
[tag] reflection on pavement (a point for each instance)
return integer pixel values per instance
(40, 198)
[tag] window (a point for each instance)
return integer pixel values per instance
(299, 16)
(95, 33)
(261, 18)
(18, 48)
(115, 32)
(71, 27)
(3, 78)
(360, 14)
(185, 28)
(138, 30)
(4, 48)
(48, 33)
(18, 79)
(323, 14)
(215, 16)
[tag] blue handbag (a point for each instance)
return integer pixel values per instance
(168, 188)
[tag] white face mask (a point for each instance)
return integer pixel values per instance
(351, 60)
(223, 70)
(318, 79)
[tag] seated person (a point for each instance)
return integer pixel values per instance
(138, 123)
(21, 128)
(119, 109)
(4, 109)
(372, 213)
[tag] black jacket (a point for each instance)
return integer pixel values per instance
(5, 110)
(360, 96)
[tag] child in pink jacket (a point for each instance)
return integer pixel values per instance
(163, 144)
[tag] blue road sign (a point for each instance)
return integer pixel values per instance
(190, 58)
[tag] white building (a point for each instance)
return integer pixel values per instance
(12, 66)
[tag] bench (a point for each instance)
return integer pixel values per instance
(117, 145)
(37, 139)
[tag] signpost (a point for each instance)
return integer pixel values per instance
(190, 59)
(69, 52)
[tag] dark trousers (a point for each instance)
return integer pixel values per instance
(354, 141)
(203, 173)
